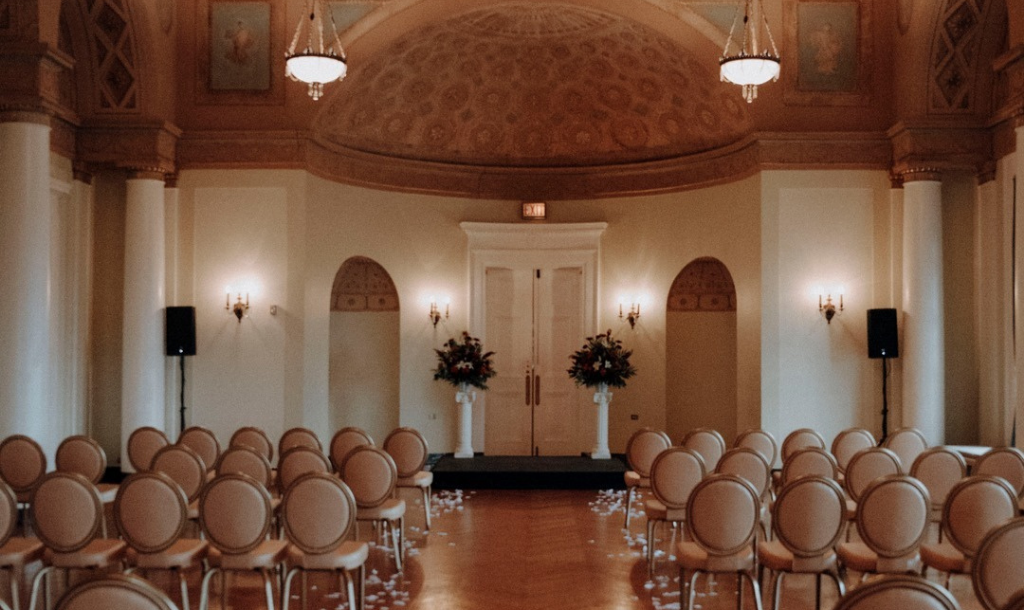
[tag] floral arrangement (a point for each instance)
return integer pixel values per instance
(464, 361)
(602, 359)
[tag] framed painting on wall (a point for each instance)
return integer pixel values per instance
(239, 52)
(828, 52)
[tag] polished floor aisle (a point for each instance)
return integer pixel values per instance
(526, 550)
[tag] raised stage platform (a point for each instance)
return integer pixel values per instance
(527, 472)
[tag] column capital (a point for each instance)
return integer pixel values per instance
(10, 113)
(920, 174)
(135, 145)
(146, 173)
(987, 173)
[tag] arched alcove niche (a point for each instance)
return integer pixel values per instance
(701, 350)
(364, 361)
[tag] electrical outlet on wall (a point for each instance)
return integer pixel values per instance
(634, 417)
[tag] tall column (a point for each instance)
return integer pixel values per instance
(142, 384)
(25, 236)
(923, 352)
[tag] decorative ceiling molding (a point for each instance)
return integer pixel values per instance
(754, 153)
(135, 146)
(943, 145)
(114, 55)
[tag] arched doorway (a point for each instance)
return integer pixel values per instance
(364, 364)
(701, 350)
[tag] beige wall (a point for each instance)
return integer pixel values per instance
(779, 233)
(700, 387)
(365, 370)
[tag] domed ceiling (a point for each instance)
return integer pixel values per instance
(533, 85)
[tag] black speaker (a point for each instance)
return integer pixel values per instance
(883, 341)
(181, 331)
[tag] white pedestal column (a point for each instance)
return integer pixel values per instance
(465, 397)
(25, 236)
(602, 397)
(142, 385)
(923, 349)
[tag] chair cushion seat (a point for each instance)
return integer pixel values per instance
(17, 552)
(857, 556)
(99, 553)
(659, 512)
(690, 556)
(944, 557)
(184, 553)
(633, 479)
(349, 556)
(107, 491)
(391, 509)
(267, 555)
(776, 557)
(423, 478)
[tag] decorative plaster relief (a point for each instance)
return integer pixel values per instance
(703, 285)
(363, 285)
(537, 84)
(955, 54)
(114, 53)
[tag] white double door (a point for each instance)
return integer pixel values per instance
(534, 314)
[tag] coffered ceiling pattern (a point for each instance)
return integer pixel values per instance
(956, 54)
(548, 84)
(113, 49)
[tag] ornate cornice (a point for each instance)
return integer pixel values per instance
(921, 174)
(941, 144)
(221, 150)
(30, 78)
(137, 146)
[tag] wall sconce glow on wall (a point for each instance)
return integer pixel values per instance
(826, 307)
(239, 308)
(435, 312)
(634, 310)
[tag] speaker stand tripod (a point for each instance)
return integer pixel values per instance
(885, 401)
(181, 355)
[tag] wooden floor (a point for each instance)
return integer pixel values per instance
(499, 549)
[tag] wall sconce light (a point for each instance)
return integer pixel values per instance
(435, 313)
(239, 308)
(827, 307)
(634, 311)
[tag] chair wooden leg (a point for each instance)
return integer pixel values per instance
(286, 591)
(756, 588)
(739, 591)
(351, 590)
(650, 547)
(817, 592)
(693, 590)
(840, 586)
(426, 506)
(184, 589)
(40, 576)
(777, 590)
(362, 587)
(269, 588)
(15, 585)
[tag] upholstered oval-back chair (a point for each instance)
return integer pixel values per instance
(371, 475)
(248, 461)
(184, 466)
(808, 517)
(204, 442)
(722, 518)
(235, 513)
(809, 461)
(409, 450)
(68, 517)
(298, 461)
(254, 438)
(641, 449)
(1005, 462)
(84, 455)
(143, 443)
(974, 507)
(151, 512)
(862, 469)
(319, 512)
(119, 591)
(298, 437)
(939, 468)
(15, 552)
(22, 465)
(760, 441)
(674, 474)
(892, 519)
(800, 439)
(898, 592)
(908, 443)
(708, 443)
(848, 443)
(998, 573)
(748, 464)
(346, 440)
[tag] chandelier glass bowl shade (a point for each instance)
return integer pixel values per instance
(322, 59)
(750, 65)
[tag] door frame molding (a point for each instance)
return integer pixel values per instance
(493, 244)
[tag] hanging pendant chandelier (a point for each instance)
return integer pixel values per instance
(321, 60)
(752, 64)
